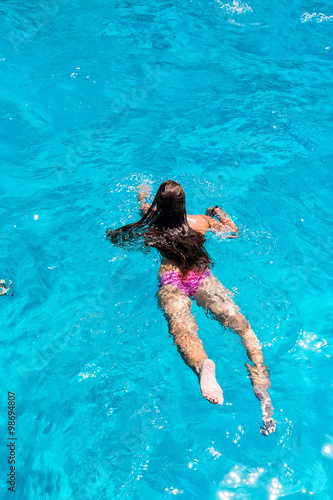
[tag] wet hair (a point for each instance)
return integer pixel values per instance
(164, 226)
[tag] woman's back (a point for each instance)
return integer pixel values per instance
(196, 222)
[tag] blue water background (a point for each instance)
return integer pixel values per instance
(234, 101)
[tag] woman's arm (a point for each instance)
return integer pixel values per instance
(224, 222)
(142, 195)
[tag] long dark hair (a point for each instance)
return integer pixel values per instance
(164, 226)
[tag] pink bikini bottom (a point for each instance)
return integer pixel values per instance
(188, 284)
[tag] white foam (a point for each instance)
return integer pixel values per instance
(315, 17)
(235, 7)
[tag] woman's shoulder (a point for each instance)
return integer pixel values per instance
(198, 222)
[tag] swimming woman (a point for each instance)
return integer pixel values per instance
(185, 274)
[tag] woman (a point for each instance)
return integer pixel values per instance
(185, 273)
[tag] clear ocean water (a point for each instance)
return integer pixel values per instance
(234, 101)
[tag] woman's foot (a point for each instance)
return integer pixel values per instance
(209, 387)
(267, 410)
(269, 426)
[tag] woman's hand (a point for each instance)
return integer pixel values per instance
(212, 211)
(144, 191)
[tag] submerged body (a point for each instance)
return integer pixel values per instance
(216, 299)
(180, 283)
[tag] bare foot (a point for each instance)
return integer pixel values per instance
(267, 410)
(208, 384)
(269, 426)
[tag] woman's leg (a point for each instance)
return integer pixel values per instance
(184, 329)
(215, 298)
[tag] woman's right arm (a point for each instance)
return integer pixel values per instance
(142, 195)
(223, 223)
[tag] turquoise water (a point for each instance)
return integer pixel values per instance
(234, 101)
